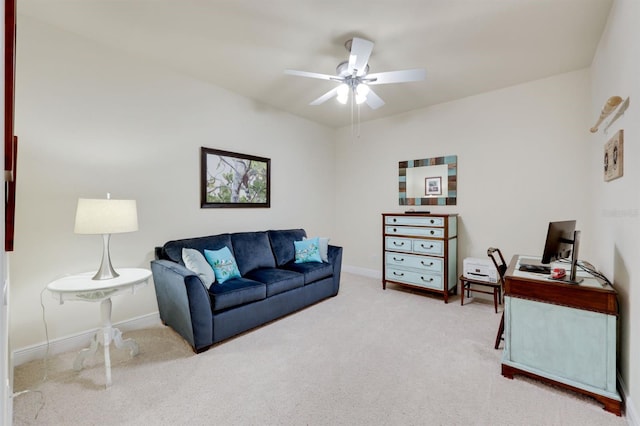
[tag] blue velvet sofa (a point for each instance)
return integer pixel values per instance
(271, 284)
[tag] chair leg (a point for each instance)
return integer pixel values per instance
(495, 300)
(500, 332)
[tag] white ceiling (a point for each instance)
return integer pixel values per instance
(466, 46)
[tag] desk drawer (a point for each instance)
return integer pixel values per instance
(426, 280)
(430, 264)
(415, 220)
(413, 231)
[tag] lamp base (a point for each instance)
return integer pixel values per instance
(106, 271)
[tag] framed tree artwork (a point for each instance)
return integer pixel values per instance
(230, 179)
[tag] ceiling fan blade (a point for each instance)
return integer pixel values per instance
(313, 75)
(322, 99)
(359, 56)
(374, 101)
(403, 76)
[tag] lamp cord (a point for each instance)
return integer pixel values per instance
(46, 362)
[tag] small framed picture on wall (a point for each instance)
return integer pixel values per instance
(613, 157)
(433, 186)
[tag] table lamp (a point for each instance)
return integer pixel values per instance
(106, 217)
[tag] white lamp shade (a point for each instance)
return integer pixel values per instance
(104, 216)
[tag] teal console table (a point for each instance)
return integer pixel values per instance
(563, 334)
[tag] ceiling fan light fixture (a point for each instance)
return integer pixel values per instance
(343, 93)
(362, 90)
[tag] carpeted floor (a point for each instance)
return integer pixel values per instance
(365, 357)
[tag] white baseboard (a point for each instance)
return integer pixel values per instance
(371, 273)
(631, 413)
(80, 340)
(629, 409)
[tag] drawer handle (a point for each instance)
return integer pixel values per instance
(395, 243)
(394, 219)
(433, 232)
(424, 264)
(401, 274)
(433, 221)
(395, 230)
(429, 280)
(398, 260)
(425, 247)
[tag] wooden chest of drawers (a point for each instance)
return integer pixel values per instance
(420, 251)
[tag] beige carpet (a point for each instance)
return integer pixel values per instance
(365, 357)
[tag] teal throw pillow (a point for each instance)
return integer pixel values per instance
(324, 248)
(195, 262)
(307, 250)
(223, 264)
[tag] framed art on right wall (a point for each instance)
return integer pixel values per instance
(614, 156)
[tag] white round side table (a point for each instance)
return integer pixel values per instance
(82, 287)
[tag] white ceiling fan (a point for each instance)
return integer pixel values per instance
(353, 76)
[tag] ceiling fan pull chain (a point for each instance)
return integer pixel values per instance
(358, 124)
(352, 127)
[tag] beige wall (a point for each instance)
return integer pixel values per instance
(91, 121)
(523, 158)
(616, 204)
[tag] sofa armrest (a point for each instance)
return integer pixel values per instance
(334, 255)
(183, 302)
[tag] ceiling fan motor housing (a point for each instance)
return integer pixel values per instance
(342, 69)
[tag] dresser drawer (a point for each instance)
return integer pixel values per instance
(433, 247)
(426, 280)
(415, 220)
(413, 231)
(396, 243)
(430, 264)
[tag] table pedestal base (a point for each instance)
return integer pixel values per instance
(104, 337)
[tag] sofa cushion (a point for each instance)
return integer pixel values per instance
(235, 292)
(172, 250)
(252, 251)
(282, 244)
(307, 250)
(223, 264)
(312, 271)
(195, 261)
(277, 280)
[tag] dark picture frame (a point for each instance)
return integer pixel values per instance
(10, 139)
(433, 186)
(231, 179)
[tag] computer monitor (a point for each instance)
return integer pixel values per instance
(559, 242)
(562, 243)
